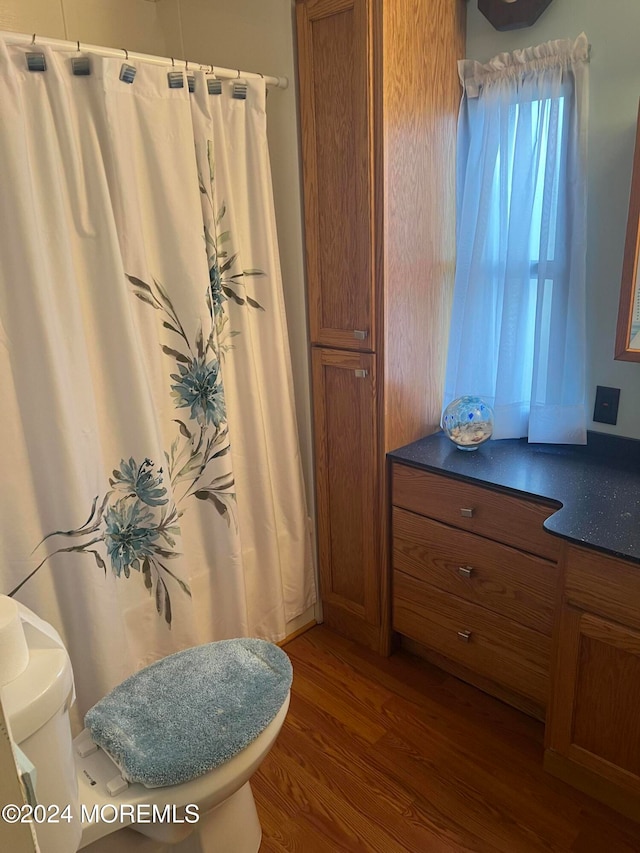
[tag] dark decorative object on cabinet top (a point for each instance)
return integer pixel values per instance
(512, 14)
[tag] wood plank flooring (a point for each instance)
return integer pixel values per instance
(394, 755)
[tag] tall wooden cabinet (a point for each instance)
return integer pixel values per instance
(379, 97)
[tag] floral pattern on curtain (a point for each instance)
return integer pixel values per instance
(137, 520)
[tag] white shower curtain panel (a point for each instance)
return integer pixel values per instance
(151, 495)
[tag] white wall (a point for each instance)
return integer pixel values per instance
(130, 24)
(613, 29)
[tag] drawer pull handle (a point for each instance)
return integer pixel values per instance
(466, 512)
(465, 571)
(465, 636)
(360, 334)
(360, 374)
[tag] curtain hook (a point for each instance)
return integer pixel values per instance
(238, 73)
(173, 64)
(127, 72)
(214, 86)
(35, 61)
(239, 90)
(80, 65)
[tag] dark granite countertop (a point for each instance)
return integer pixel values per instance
(597, 485)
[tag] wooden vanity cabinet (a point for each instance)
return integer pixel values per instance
(475, 583)
(483, 591)
(379, 98)
(593, 727)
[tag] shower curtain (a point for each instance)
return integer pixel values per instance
(152, 495)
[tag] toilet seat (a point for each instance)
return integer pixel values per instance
(192, 711)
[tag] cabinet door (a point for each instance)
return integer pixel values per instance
(346, 488)
(334, 59)
(594, 723)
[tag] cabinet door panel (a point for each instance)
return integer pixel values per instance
(606, 720)
(595, 722)
(345, 443)
(335, 106)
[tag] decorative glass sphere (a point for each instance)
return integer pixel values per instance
(468, 422)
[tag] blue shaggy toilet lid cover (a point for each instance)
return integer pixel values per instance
(192, 711)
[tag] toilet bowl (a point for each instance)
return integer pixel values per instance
(80, 784)
(227, 818)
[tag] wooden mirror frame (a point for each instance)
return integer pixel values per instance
(630, 286)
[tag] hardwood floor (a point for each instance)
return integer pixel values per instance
(395, 755)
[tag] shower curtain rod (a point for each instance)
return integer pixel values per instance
(59, 44)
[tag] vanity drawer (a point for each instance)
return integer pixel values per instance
(491, 645)
(512, 583)
(504, 518)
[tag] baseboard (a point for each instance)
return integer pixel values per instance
(302, 630)
(590, 783)
(351, 626)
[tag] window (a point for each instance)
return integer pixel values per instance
(518, 330)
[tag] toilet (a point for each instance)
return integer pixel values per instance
(212, 812)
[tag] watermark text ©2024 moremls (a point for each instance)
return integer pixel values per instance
(125, 813)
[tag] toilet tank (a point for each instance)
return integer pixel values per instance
(36, 703)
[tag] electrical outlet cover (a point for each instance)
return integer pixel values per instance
(605, 410)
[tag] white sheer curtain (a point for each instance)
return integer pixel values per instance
(518, 323)
(151, 494)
